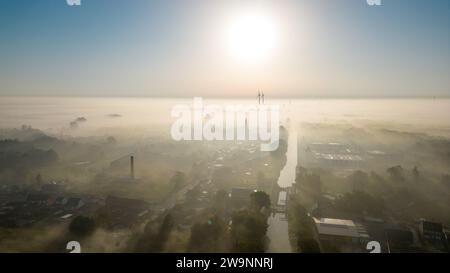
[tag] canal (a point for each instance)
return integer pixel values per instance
(278, 225)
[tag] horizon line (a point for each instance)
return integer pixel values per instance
(229, 97)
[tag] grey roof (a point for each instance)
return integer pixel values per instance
(336, 227)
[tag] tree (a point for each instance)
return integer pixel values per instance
(396, 173)
(206, 236)
(259, 199)
(308, 245)
(164, 232)
(154, 239)
(301, 227)
(309, 180)
(82, 226)
(358, 180)
(301, 173)
(360, 202)
(248, 231)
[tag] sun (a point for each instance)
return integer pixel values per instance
(251, 37)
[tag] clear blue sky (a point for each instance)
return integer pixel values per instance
(174, 48)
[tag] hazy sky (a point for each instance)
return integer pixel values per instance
(182, 48)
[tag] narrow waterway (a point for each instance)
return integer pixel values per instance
(287, 174)
(278, 225)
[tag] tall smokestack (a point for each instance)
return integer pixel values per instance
(132, 167)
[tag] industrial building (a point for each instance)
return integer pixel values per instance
(333, 155)
(341, 233)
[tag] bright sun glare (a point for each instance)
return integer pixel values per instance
(251, 37)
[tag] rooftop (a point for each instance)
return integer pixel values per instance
(336, 227)
(344, 157)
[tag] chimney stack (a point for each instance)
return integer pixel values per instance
(132, 167)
